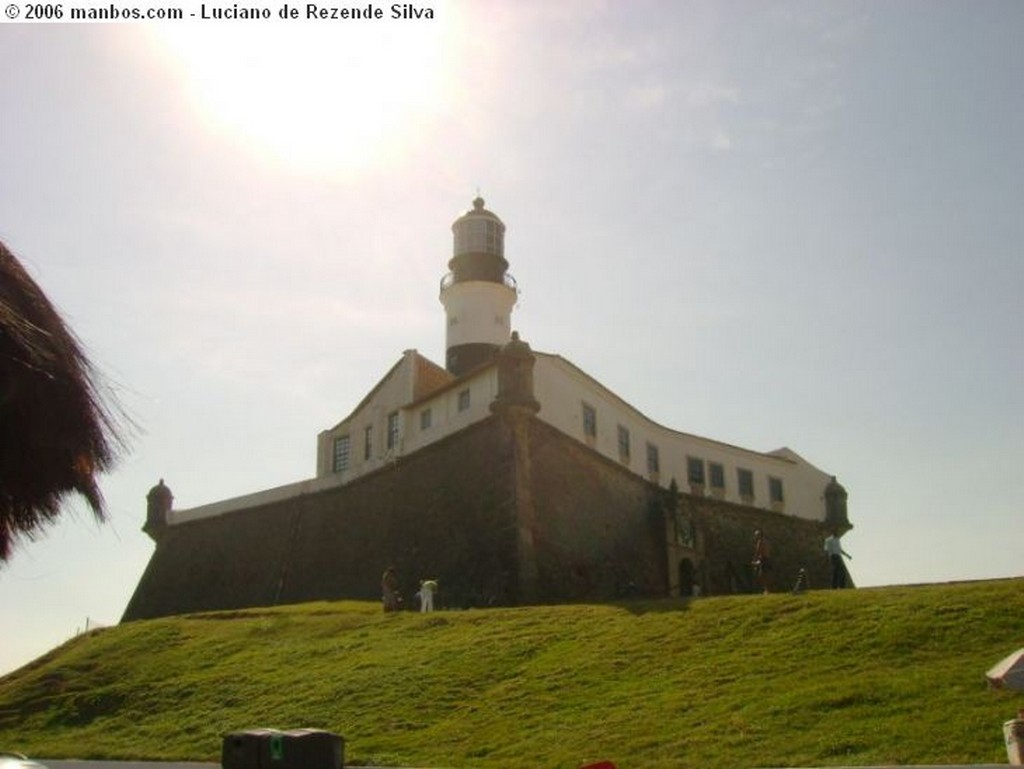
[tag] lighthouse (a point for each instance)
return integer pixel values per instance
(478, 294)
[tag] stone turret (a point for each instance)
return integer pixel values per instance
(836, 517)
(159, 502)
(516, 405)
(515, 378)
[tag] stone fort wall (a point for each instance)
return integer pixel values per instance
(456, 511)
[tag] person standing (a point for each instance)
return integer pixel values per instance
(762, 560)
(427, 589)
(835, 552)
(389, 589)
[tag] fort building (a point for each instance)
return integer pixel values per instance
(509, 474)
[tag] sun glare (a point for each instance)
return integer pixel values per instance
(314, 96)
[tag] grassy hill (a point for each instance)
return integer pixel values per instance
(892, 675)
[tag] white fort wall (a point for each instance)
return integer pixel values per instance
(418, 422)
(562, 390)
(395, 388)
(445, 414)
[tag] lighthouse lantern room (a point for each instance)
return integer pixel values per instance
(478, 294)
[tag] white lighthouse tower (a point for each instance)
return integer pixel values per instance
(478, 293)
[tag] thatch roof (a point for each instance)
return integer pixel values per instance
(56, 432)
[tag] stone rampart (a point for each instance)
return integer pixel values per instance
(477, 511)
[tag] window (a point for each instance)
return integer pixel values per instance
(745, 482)
(493, 237)
(695, 471)
(775, 490)
(464, 400)
(342, 447)
(392, 430)
(425, 419)
(653, 460)
(589, 421)
(368, 442)
(717, 474)
(623, 444)
(478, 234)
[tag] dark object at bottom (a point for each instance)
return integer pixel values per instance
(273, 749)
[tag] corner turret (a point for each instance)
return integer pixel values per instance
(836, 517)
(515, 378)
(159, 502)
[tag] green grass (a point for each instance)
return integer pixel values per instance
(893, 675)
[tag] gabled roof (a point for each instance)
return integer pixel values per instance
(451, 383)
(787, 453)
(428, 378)
(366, 398)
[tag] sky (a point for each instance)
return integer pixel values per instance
(769, 223)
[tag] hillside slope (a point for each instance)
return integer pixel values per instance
(892, 675)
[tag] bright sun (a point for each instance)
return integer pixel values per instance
(314, 95)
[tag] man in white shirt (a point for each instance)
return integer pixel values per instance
(427, 589)
(835, 556)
